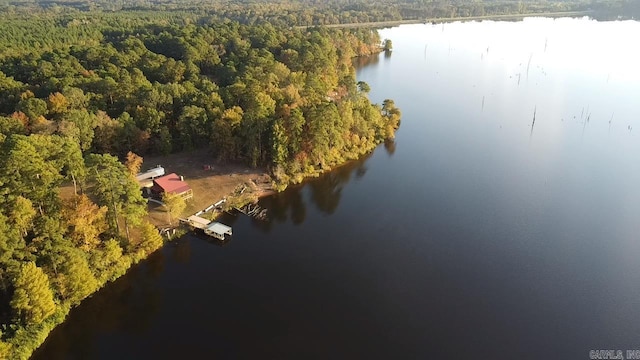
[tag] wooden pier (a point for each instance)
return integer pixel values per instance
(217, 205)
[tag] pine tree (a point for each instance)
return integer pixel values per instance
(32, 300)
(150, 241)
(75, 281)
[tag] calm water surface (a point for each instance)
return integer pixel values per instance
(479, 233)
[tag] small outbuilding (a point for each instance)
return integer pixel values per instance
(145, 179)
(150, 174)
(171, 184)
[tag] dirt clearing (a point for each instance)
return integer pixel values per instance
(210, 181)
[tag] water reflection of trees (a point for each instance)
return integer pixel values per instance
(362, 61)
(129, 304)
(325, 194)
(182, 251)
(390, 146)
(327, 190)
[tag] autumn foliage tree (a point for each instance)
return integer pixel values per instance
(133, 163)
(174, 203)
(85, 221)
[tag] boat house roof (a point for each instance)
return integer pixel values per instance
(219, 229)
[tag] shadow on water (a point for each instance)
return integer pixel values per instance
(130, 303)
(390, 147)
(370, 60)
(182, 252)
(363, 61)
(325, 193)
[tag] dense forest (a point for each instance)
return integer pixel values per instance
(87, 87)
(81, 95)
(258, 94)
(320, 12)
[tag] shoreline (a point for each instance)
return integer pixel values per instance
(392, 23)
(233, 200)
(210, 181)
(40, 333)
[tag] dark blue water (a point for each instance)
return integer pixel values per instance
(479, 233)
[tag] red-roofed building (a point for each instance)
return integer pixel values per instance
(172, 184)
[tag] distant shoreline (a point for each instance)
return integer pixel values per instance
(379, 24)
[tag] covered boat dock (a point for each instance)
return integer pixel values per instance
(211, 228)
(218, 230)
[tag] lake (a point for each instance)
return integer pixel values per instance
(503, 222)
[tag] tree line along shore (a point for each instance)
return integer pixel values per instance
(390, 23)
